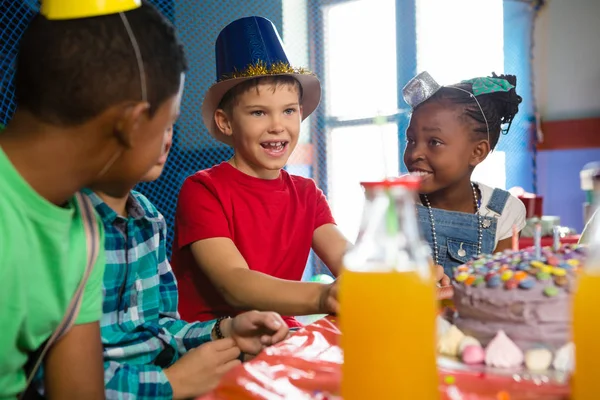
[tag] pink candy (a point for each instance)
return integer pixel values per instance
(473, 355)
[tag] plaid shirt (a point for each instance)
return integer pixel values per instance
(141, 329)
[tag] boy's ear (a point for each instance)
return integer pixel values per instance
(223, 123)
(480, 152)
(129, 122)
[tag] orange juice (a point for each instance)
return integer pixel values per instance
(586, 325)
(388, 336)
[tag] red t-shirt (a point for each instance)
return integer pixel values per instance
(271, 223)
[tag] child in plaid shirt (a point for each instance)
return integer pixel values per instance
(149, 352)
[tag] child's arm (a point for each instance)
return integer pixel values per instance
(513, 215)
(194, 374)
(503, 244)
(73, 366)
(245, 289)
(330, 245)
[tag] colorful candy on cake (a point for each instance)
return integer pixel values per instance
(514, 308)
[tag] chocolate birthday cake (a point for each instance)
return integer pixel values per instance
(514, 307)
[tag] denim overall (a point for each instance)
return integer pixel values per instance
(456, 230)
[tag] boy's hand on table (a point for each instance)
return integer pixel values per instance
(252, 331)
(328, 301)
(200, 370)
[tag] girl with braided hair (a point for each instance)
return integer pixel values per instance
(452, 130)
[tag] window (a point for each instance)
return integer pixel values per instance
(360, 89)
(442, 27)
(364, 117)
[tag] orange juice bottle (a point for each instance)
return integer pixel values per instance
(388, 304)
(586, 314)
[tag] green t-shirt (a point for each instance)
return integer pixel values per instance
(42, 260)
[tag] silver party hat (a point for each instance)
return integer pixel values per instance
(419, 89)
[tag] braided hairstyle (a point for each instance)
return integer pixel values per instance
(499, 107)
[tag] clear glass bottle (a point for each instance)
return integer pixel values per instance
(388, 301)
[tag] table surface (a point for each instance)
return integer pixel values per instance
(308, 366)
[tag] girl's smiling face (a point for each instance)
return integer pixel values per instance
(440, 146)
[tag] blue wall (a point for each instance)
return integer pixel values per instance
(566, 69)
(558, 182)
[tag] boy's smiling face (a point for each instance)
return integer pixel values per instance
(264, 124)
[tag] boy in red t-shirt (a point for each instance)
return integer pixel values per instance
(244, 228)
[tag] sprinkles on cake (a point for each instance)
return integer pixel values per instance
(522, 269)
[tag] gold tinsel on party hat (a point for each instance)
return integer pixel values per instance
(260, 68)
(74, 9)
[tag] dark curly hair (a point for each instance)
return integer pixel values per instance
(500, 108)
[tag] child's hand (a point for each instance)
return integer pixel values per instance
(200, 370)
(328, 302)
(254, 330)
(445, 291)
(440, 277)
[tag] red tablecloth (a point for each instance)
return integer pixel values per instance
(307, 366)
(525, 242)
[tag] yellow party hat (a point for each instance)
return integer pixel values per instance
(73, 9)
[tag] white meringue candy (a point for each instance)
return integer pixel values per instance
(442, 326)
(502, 352)
(448, 343)
(564, 359)
(538, 359)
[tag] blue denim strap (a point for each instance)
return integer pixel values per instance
(498, 201)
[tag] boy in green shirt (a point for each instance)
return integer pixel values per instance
(95, 96)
